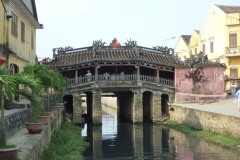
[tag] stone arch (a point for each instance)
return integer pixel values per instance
(68, 103)
(89, 105)
(164, 105)
(147, 104)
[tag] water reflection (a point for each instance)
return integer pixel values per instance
(114, 140)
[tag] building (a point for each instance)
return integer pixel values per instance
(219, 39)
(182, 47)
(19, 22)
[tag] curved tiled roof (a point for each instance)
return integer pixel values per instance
(122, 54)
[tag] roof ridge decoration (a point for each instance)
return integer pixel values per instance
(201, 59)
(131, 43)
(165, 50)
(98, 43)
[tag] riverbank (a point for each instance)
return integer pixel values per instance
(219, 139)
(66, 143)
(220, 117)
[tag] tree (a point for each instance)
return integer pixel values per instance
(9, 86)
(48, 79)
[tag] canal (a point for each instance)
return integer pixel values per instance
(119, 140)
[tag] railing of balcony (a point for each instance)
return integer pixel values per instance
(233, 50)
(119, 77)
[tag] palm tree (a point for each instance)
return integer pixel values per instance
(48, 79)
(9, 86)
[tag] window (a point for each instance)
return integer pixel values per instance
(234, 72)
(195, 51)
(211, 47)
(233, 40)
(14, 25)
(22, 31)
(203, 48)
(32, 40)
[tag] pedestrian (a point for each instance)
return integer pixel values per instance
(88, 75)
(237, 96)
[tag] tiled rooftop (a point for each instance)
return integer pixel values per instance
(116, 55)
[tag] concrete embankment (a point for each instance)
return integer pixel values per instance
(205, 120)
(31, 146)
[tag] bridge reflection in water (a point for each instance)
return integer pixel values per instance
(120, 140)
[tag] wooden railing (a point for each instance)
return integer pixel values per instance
(119, 77)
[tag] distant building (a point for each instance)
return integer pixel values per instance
(182, 47)
(19, 22)
(219, 39)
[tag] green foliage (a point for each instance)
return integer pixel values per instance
(47, 78)
(66, 144)
(222, 140)
(11, 85)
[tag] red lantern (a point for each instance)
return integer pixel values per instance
(115, 42)
(2, 60)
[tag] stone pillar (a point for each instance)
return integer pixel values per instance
(156, 110)
(137, 107)
(76, 76)
(171, 98)
(77, 108)
(157, 75)
(138, 72)
(96, 73)
(97, 108)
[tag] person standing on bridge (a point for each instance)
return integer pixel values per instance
(88, 75)
(238, 99)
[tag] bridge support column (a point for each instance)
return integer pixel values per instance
(97, 108)
(157, 108)
(77, 109)
(76, 76)
(137, 108)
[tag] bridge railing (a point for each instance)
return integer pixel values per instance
(119, 77)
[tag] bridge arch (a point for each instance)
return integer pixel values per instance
(164, 105)
(147, 106)
(68, 103)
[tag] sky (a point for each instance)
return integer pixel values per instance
(77, 23)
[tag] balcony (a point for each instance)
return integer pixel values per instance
(232, 52)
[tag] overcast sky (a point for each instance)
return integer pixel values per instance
(77, 23)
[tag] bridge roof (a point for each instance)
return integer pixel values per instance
(122, 54)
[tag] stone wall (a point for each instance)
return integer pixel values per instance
(110, 102)
(203, 120)
(16, 121)
(199, 84)
(31, 146)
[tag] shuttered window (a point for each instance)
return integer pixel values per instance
(32, 39)
(233, 40)
(22, 31)
(211, 47)
(234, 72)
(14, 25)
(203, 48)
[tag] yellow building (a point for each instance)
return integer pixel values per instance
(181, 48)
(219, 39)
(21, 22)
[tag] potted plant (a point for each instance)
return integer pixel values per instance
(48, 79)
(9, 86)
